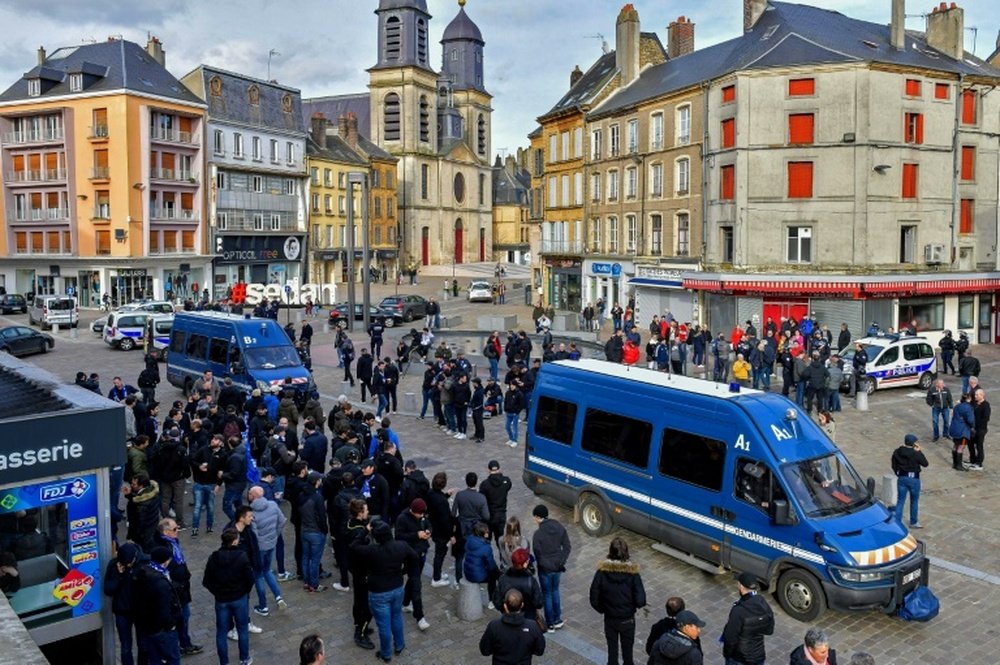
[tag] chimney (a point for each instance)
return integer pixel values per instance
(351, 123)
(946, 30)
(41, 55)
(897, 28)
(575, 76)
(627, 44)
(510, 164)
(752, 9)
(680, 37)
(317, 128)
(155, 49)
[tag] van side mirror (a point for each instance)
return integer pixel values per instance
(783, 515)
(236, 368)
(870, 484)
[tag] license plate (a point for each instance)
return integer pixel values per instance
(911, 577)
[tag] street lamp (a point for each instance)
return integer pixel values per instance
(358, 178)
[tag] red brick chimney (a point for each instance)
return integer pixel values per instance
(317, 128)
(347, 128)
(680, 37)
(575, 76)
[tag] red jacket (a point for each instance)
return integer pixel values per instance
(630, 355)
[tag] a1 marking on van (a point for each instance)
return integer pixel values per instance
(742, 443)
(780, 433)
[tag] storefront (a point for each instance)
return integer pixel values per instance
(607, 280)
(57, 443)
(957, 302)
(260, 259)
(659, 289)
(563, 290)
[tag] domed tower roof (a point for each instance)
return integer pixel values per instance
(420, 5)
(462, 28)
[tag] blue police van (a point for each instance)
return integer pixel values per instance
(254, 352)
(741, 481)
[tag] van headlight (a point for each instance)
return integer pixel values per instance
(864, 577)
(263, 386)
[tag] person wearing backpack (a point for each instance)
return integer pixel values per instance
(492, 354)
(170, 469)
(280, 458)
(232, 424)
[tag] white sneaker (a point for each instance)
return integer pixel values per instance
(450, 432)
(513, 444)
(408, 609)
(256, 630)
(337, 586)
(232, 635)
(439, 583)
(423, 624)
(444, 576)
(491, 606)
(461, 436)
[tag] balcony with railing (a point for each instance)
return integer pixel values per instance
(98, 133)
(38, 215)
(100, 173)
(47, 135)
(36, 176)
(561, 246)
(102, 211)
(239, 223)
(174, 175)
(165, 135)
(174, 215)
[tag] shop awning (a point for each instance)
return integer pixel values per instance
(956, 286)
(781, 287)
(842, 286)
(702, 284)
(659, 283)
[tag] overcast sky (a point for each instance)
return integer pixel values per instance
(326, 45)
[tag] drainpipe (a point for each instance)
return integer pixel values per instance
(955, 166)
(704, 173)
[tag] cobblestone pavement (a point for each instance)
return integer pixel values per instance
(959, 510)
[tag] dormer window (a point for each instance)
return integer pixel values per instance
(75, 82)
(34, 87)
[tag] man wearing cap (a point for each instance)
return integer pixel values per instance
(551, 547)
(374, 488)
(907, 461)
(680, 645)
(750, 619)
(414, 529)
(170, 467)
(119, 578)
(157, 609)
(513, 638)
(495, 487)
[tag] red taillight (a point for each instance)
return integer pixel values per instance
(399, 306)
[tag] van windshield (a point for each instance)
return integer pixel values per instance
(271, 357)
(826, 486)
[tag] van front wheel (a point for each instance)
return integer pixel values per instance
(800, 595)
(594, 517)
(126, 344)
(926, 379)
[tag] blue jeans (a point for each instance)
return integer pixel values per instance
(231, 498)
(800, 393)
(226, 614)
(312, 553)
(387, 608)
(937, 412)
(183, 632)
(123, 624)
(965, 384)
(204, 497)
(162, 647)
(550, 593)
(494, 368)
(833, 400)
(906, 485)
(449, 416)
(383, 404)
(427, 400)
(267, 575)
(511, 424)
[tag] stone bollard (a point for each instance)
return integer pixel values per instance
(410, 402)
(55, 328)
(470, 601)
(345, 387)
(326, 326)
(72, 332)
(887, 493)
(861, 399)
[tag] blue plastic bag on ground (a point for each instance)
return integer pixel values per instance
(919, 605)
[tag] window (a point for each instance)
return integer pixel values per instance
(595, 234)
(256, 148)
(578, 189)
(596, 144)
(218, 351)
(376, 178)
(683, 175)
(683, 221)
(555, 419)
(913, 128)
(799, 244)
(425, 119)
(801, 87)
(910, 174)
(727, 182)
(800, 128)
(219, 143)
(578, 142)
(389, 208)
(967, 216)
(327, 177)
(692, 458)
(907, 243)
(388, 179)
(564, 143)
(553, 146)
(390, 117)
(197, 346)
(424, 177)
(342, 180)
(969, 101)
(342, 205)
(942, 91)
(564, 190)
(633, 136)
(289, 153)
(539, 161)
(613, 234)
(684, 124)
(614, 140)
(378, 206)
(656, 131)
(103, 201)
(968, 162)
(621, 438)
(929, 313)
(276, 222)
(238, 145)
(595, 187)
(656, 179)
(257, 183)
(727, 243)
(631, 182)
(912, 87)
(275, 157)
(34, 87)
(75, 82)
(891, 354)
(258, 222)
(553, 193)
(729, 94)
(630, 226)
(656, 246)
(328, 203)
(612, 185)
(103, 242)
(315, 202)
(800, 180)
(966, 311)
(222, 220)
(729, 133)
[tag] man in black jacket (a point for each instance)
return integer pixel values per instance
(374, 488)
(357, 532)
(338, 494)
(907, 461)
(180, 577)
(512, 639)
(517, 576)
(674, 606)
(157, 610)
(614, 348)
(552, 547)
(315, 446)
(414, 529)
(750, 620)
(171, 466)
(119, 578)
(364, 369)
(234, 475)
(229, 578)
(495, 487)
(143, 509)
(982, 412)
(294, 490)
(206, 467)
(815, 376)
(681, 645)
(391, 376)
(312, 510)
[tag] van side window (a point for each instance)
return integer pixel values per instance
(911, 351)
(693, 458)
(555, 419)
(926, 351)
(218, 351)
(753, 483)
(197, 345)
(624, 439)
(177, 341)
(891, 355)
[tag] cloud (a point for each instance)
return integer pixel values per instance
(129, 12)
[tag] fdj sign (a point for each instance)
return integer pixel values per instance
(70, 489)
(613, 269)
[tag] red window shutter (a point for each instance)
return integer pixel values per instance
(969, 107)
(728, 185)
(800, 128)
(910, 175)
(729, 94)
(968, 162)
(920, 128)
(966, 222)
(800, 180)
(801, 87)
(942, 91)
(912, 87)
(729, 133)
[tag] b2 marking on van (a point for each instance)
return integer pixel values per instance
(780, 433)
(742, 443)
(249, 340)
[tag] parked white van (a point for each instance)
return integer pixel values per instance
(47, 311)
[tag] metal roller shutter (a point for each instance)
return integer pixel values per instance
(648, 303)
(881, 311)
(748, 309)
(721, 313)
(834, 312)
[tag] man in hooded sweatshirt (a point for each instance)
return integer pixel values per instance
(268, 521)
(680, 645)
(512, 639)
(750, 619)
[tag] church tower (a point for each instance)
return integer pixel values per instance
(462, 73)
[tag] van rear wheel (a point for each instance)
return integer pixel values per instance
(126, 344)
(800, 595)
(926, 379)
(594, 516)
(870, 385)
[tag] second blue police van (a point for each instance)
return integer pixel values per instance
(255, 353)
(725, 481)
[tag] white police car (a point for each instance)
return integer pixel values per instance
(893, 360)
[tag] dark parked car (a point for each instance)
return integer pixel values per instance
(389, 318)
(408, 307)
(22, 340)
(13, 302)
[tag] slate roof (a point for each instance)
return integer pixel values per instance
(336, 149)
(337, 105)
(788, 35)
(462, 27)
(233, 102)
(589, 84)
(384, 5)
(373, 150)
(20, 397)
(112, 65)
(508, 189)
